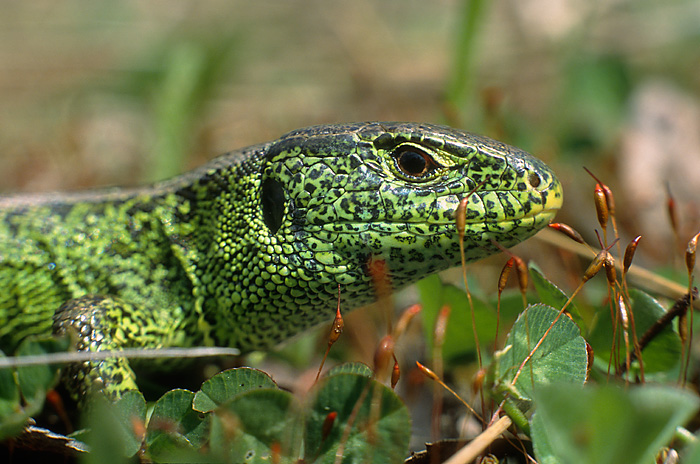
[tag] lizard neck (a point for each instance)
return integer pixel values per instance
(253, 286)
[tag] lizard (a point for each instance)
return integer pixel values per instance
(251, 248)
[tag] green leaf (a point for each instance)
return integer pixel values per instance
(35, 380)
(351, 368)
(227, 384)
(562, 356)
(12, 416)
(254, 426)
(114, 428)
(174, 427)
(379, 429)
(131, 410)
(574, 424)
(459, 339)
(549, 293)
(542, 447)
(9, 391)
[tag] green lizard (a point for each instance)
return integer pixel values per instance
(250, 249)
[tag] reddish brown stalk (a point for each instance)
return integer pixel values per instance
(434, 377)
(502, 280)
(379, 272)
(630, 251)
(460, 221)
(438, 341)
(690, 252)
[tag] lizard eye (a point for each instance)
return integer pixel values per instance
(534, 179)
(413, 162)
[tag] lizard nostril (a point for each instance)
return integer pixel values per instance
(534, 179)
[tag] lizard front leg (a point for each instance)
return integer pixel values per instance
(102, 323)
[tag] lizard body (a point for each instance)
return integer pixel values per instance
(250, 248)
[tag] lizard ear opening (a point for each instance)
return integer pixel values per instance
(272, 200)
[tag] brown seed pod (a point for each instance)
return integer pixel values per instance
(395, 374)
(595, 265)
(610, 272)
(568, 231)
(629, 253)
(505, 273)
(382, 355)
(601, 206)
(522, 274)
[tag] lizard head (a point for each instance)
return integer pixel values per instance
(346, 195)
(330, 201)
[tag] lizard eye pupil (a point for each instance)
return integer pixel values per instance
(414, 162)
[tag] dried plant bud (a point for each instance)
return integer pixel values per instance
(601, 206)
(405, 319)
(441, 325)
(461, 216)
(395, 374)
(609, 199)
(607, 193)
(382, 355)
(338, 324)
(328, 424)
(479, 379)
(595, 265)
(610, 272)
(505, 273)
(629, 253)
(428, 373)
(690, 253)
(568, 231)
(683, 327)
(522, 274)
(336, 329)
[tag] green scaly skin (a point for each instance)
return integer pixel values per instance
(249, 249)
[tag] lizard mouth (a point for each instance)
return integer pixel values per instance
(536, 214)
